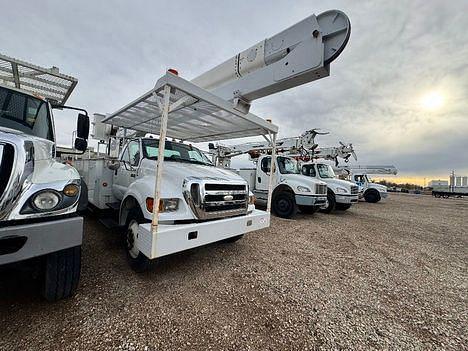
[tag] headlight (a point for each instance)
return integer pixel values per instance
(341, 190)
(165, 205)
(303, 189)
(46, 200)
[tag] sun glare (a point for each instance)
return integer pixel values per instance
(432, 101)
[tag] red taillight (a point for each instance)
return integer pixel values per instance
(173, 71)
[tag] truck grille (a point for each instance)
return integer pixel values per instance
(7, 158)
(321, 189)
(216, 200)
(354, 189)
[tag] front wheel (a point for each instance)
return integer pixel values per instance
(372, 196)
(138, 261)
(307, 209)
(331, 203)
(284, 205)
(61, 273)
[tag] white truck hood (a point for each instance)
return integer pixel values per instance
(176, 172)
(332, 183)
(42, 147)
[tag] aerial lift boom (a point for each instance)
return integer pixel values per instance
(299, 54)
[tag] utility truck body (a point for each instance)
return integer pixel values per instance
(359, 175)
(169, 196)
(292, 191)
(341, 194)
(39, 196)
(290, 188)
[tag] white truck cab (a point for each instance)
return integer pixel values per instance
(371, 192)
(291, 190)
(341, 194)
(40, 198)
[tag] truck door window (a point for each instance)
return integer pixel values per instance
(309, 170)
(287, 165)
(134, 153)
(25, 113)
(266, 164)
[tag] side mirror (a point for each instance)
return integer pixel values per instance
(211, 146)
(113, 165)
(82, 126)
(81, 144)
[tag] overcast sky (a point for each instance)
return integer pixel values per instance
(399, 53)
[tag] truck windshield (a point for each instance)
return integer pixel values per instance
(174, 152)
(287, 165)
(325, 171)
(25, 113)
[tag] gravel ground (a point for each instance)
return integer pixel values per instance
(391, 275)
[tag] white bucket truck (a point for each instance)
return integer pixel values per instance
(292, 191)
(168, 195)
(189, 202)
(341, 194)
(39, 196)
(358, 174)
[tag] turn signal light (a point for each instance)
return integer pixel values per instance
(71, 190)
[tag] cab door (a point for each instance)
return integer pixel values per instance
(127, 172)
(263, 173)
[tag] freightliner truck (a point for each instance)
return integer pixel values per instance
(167, 195)
(39, 197)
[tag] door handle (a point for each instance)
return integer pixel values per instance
(259, 179)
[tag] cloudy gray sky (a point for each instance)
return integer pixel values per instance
(402, 55)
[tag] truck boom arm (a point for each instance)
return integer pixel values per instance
(299, 54)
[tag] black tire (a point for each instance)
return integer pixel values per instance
(61, 273)
(331, 202)
(284, 204)
(343, 207)
(372, 196)
(233, 239)
(137, 260)
(307, 209)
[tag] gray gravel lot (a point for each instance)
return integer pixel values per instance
(391, 275)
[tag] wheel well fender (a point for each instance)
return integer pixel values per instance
(282, 188)
(128, 204)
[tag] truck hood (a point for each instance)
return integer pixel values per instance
(43, 148)
(334, 182)
(176, 172)
(378, 187)
(299, 179)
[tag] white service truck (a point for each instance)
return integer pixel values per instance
(39, 197)
(358, 174)
(188, 201)
(292, 191)
(341, 194)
